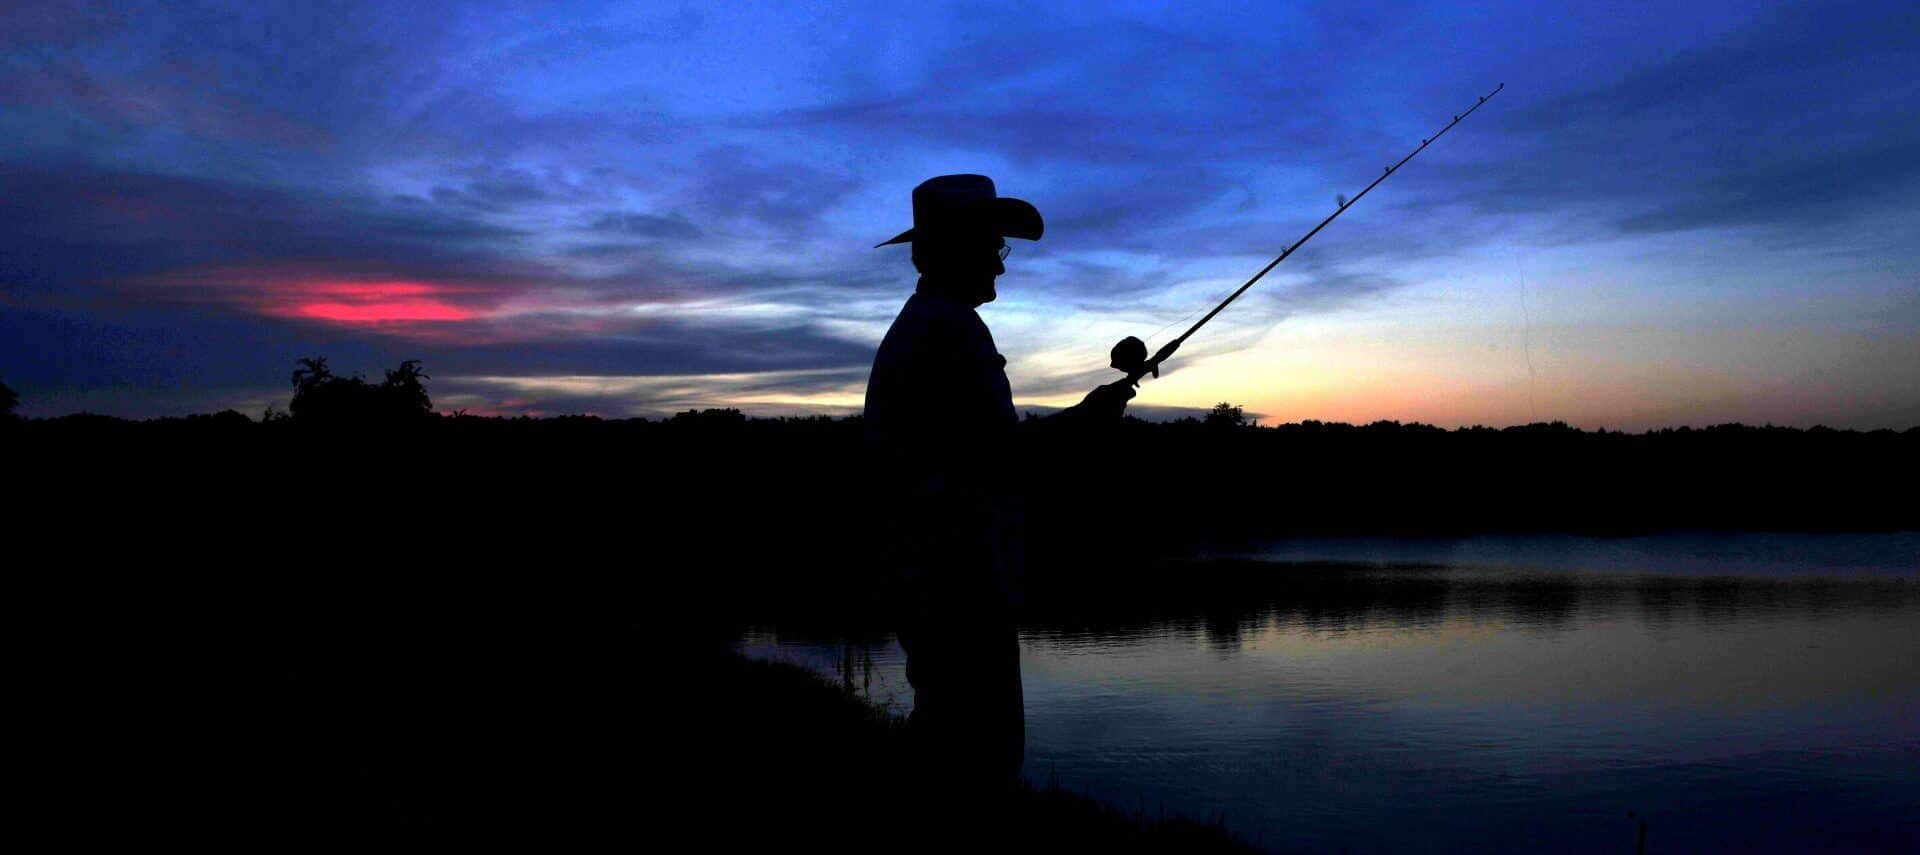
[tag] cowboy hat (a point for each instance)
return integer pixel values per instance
(949, 202)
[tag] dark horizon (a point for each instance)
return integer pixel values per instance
(1224, 410)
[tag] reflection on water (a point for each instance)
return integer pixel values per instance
(1525, 696)
(1709, 553)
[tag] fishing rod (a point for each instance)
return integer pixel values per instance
(1130, 355)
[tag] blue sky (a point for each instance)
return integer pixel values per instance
(1670, 216)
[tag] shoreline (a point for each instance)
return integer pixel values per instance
(857, 757)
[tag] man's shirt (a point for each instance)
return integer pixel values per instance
(940, 420)
(938, 403)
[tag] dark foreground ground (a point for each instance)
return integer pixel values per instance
(467, 631)
(441, 721)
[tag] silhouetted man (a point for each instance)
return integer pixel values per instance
(940, 414)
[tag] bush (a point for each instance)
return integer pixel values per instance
(320, 396)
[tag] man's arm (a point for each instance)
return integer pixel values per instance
(1103, 404)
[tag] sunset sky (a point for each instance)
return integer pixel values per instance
(1674, 213)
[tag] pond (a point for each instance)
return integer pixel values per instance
(1734, 691)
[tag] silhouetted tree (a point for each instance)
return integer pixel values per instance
(711, 416)
(1225, 415)
(312, 372)
(404, 392)
(319, 395)
(9, 399)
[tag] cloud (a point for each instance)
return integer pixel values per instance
(72, 226)
(1788, 121)
(1815, 188)
(824, 392)
(645, 225)
(651, 191)
(41, 22)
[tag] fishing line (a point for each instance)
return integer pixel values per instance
(1526, 333)
(1130, 355)
(1169, 325)
(1180, 320)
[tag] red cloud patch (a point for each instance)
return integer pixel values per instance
(367, 302)
(393, 303)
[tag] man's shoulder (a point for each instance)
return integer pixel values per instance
(933, 319)
(938, 308)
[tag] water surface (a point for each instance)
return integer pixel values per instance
(1737, 691)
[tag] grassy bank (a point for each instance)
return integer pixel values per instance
(350, 710)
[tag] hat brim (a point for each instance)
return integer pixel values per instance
(1009, 217)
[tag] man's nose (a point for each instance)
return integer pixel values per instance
(999, 265)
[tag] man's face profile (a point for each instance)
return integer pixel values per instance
(986, 260)
(967, 264)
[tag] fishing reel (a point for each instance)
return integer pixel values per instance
(1130, 357)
